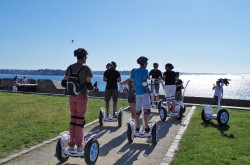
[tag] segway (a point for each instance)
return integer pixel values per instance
(179, 110)
(110, 118)
(131, 133)
(222, 115)
(90, 153)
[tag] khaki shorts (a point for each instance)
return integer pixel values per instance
(111, 93)
(142, 102)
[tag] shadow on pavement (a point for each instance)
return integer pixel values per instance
(164, 126)
(112, 143)
(132, 151)
(101, 130)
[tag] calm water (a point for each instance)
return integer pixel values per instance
(199, 86)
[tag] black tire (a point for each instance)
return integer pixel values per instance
(91, 151)
(120, 119)
(154, 134)
(129, 134)
(180, 115)
(160, 105)
(184, 109)
(203, 117)
(59, 152)
(171, 109)
(223, 117)
(100, 118)
(163, 113)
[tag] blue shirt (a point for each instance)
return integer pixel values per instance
(138, 75)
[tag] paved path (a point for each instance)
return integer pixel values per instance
(114, 147)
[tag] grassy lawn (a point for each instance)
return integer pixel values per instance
(29, 119)
(213, 144)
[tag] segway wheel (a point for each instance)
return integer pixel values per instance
(223, 117)
(130, 134)
(160, 105)
(120, 119)
(59, 152)
(154, 134)
(180, 114)
(203, 117)
(184, 109)
(91, 151)
(163, 113)
(100, 118)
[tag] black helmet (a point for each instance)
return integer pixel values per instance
(142, 60)
(113, 64)
(109, 66)
(170, 66)
(80, 52)
(156, 64)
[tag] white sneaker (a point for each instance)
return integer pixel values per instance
(71, 148)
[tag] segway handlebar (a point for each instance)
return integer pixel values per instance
(225, 81)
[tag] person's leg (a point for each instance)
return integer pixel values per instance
(172, 97)
(80, 119)
(152, 94)
(73, 112)
(132, 109)
(138, 112)
(107, 95)
(178, 96)
(168, 99)
(146, 108)
(157, 88)
(115, 99)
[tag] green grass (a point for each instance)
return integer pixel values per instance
(213, 144)
(29, 119)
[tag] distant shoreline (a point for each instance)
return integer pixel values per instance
(58, 72)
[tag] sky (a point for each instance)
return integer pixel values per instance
(196, 36)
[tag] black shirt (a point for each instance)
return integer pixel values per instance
(169, 77)
(155, 73)
(112, 76)
(178, 82)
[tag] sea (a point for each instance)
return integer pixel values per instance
(200, 85)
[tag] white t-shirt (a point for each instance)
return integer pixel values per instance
(218, 90)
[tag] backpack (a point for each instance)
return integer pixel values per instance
(73, 83)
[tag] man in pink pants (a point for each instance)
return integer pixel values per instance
(78, 102)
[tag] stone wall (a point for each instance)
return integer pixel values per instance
(54, 87)
(193, 100)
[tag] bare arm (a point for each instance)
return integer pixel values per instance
(126, 81)
(119, 79)
(104, 78)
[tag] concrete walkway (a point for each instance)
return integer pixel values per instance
(114, 146)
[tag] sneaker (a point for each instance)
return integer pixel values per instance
(80, 148)
(147, 130)
(137, 130)
(71, 148)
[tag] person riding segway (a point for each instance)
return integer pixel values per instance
(77, 81)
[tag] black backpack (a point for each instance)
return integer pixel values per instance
(73, 86)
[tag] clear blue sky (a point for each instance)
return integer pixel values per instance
(211, 36)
